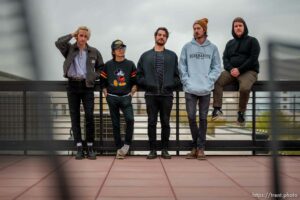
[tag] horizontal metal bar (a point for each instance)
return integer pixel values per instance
(61, 86)
(142, 145)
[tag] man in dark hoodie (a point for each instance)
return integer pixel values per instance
(241, 64)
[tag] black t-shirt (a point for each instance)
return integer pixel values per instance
(119, 77)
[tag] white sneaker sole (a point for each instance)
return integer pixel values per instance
(220, 117)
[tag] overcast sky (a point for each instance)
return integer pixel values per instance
(134, 22)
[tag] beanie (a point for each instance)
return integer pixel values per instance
(203, 23)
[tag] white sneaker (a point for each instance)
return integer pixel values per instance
(120, 155)
(124, 150)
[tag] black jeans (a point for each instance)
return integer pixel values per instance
(198, 132)
(77, 92)
(124, 104)
(163, 105)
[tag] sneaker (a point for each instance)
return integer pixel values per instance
(241, 118)
(120, 155)
(80, 153)
(216, 114)
(125, 148)
(91, 154)
(192, 154)
(165, 154)
(152, 155)
(201, 155)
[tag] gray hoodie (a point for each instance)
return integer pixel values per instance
(199, 67)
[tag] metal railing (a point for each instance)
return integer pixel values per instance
(23, 130)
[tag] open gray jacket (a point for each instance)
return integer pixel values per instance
(94, 61)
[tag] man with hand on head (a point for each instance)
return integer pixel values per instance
(82, 67)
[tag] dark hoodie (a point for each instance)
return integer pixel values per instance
(243, 52)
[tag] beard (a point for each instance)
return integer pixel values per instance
(239, 33)
(198, 36)
(160, 42)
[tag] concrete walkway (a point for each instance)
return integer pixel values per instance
(219, 177)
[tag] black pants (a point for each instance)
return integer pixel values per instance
(77, 92)
(163, 105)
(124, 104)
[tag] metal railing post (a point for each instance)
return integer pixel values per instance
(254, 121)
(177, 123)
(25, 120)
(101, 120)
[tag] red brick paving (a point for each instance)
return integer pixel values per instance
(219, 177)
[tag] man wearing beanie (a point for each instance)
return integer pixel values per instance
(118, 79)
(199, 68)
(241, 64)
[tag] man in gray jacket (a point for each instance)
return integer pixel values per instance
(81, 66)
(199, 68)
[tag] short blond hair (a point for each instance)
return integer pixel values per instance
(85, 28)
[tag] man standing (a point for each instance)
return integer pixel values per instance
(119, 79)
(81, 66)
(199, 68)
(157, 73)
(241, 64)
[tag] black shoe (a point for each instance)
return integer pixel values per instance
(217, 113)
(91, 154)
(165, 154)
(241, 118)
(152, 155)
(80, 153)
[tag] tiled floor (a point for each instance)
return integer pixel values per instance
(219, 177)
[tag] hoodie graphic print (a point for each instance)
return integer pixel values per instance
(199, 67)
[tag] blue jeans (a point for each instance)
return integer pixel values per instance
(163, 106)
(77, 92)
(124, 104)
(198, 132)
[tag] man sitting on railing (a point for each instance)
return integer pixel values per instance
(241, 64)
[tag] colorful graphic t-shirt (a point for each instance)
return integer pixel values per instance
(118, 77)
